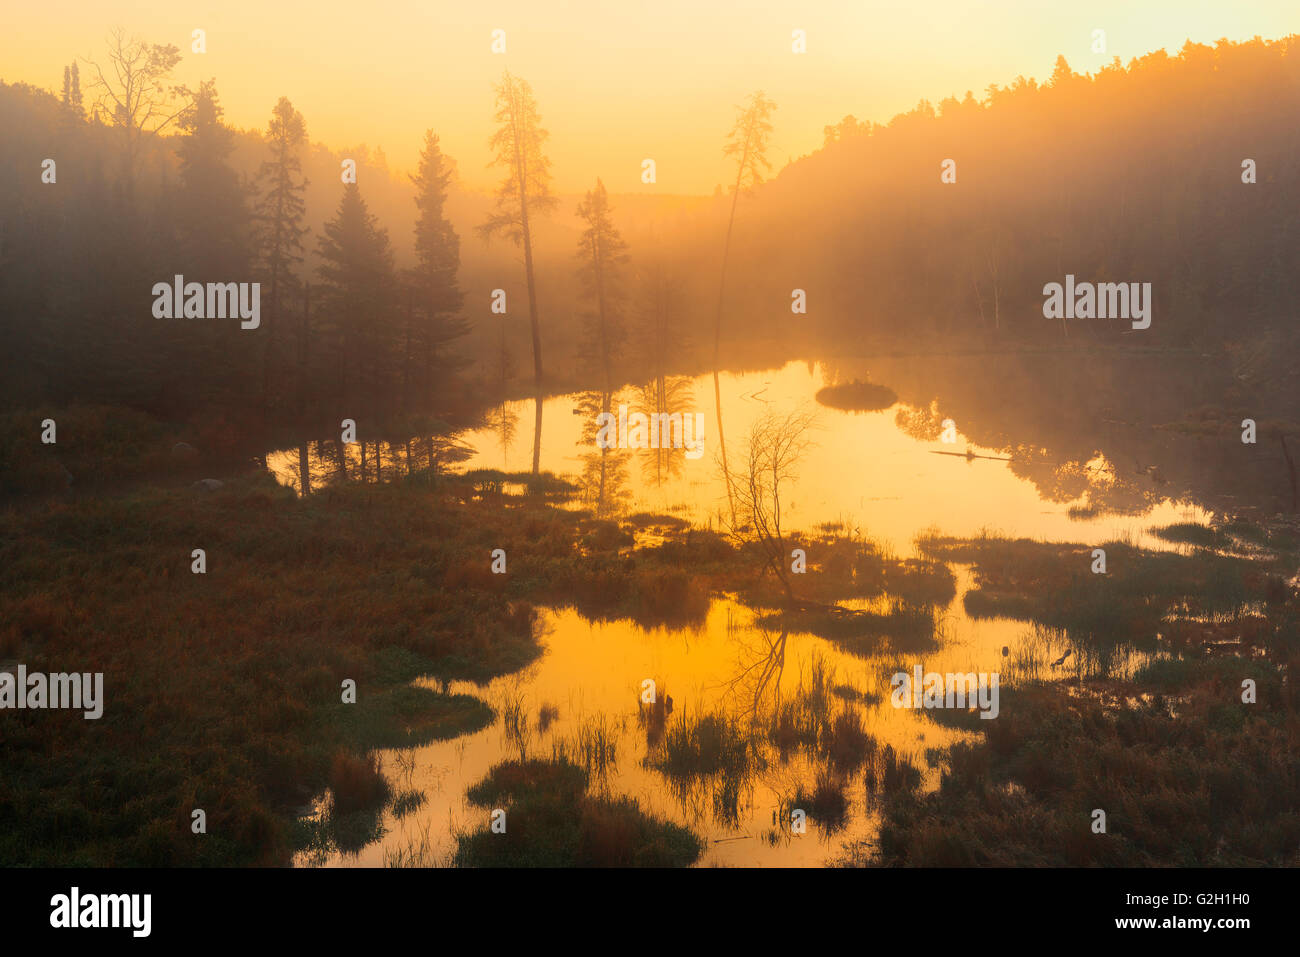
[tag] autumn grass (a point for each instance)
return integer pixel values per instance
(1216, 785)
(1194, 756)
(94, 446)
(704, 744)
(816, 720)
(1055, 585)
(225, 690)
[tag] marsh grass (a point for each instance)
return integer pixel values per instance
(1054, 585)
(552, 821)
(705, 744)
(515, 726)
(358, 793)
(547, 715)
(825, 801)
(408, 801)
(418, 851)
(97, 446)
(1126, 695)
(850, 565)
(900, 626)
(1191, 533)
(596, 745)
(887, 772)
(229, 683)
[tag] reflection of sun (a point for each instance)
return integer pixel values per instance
(1101, 472)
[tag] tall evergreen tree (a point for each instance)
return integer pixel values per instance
(72, 99)
(437, 252)
(602, 254)
(212, 245)
(214, 209)
(358, 297)
(524, 192)
(279, 215)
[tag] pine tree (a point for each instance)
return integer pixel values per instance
(279, 215)
(212, 246)
(660, 337)
(214, 212)
(602, 254)
(358, 292)
(526, 191)
(437, 251)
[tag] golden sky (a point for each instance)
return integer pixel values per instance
(617, 80)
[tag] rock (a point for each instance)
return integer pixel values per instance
(207, 485)
(184, 450)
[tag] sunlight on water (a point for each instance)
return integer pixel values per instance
(863, 471)
(592, 674)
(866, 474)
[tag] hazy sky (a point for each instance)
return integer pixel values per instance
(617, 80)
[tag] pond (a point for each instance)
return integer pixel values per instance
(890, 474)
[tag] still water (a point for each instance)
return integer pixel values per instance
(874, 474)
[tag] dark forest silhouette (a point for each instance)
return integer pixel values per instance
(1132, 174)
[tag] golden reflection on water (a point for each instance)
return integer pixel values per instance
(862, 470)
(593, 673)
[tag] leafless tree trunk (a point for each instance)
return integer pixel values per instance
(776, 443)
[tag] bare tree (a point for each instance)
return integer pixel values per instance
(134, 94)
(776, 444)
(764, 670)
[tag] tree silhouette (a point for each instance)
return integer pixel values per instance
(437, 252)
(133, 95)
(748, 143)
(525, 192)
(72, 98)
(279, 215)
(602, 254)
(358, 285)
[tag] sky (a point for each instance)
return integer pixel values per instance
(617, 81)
